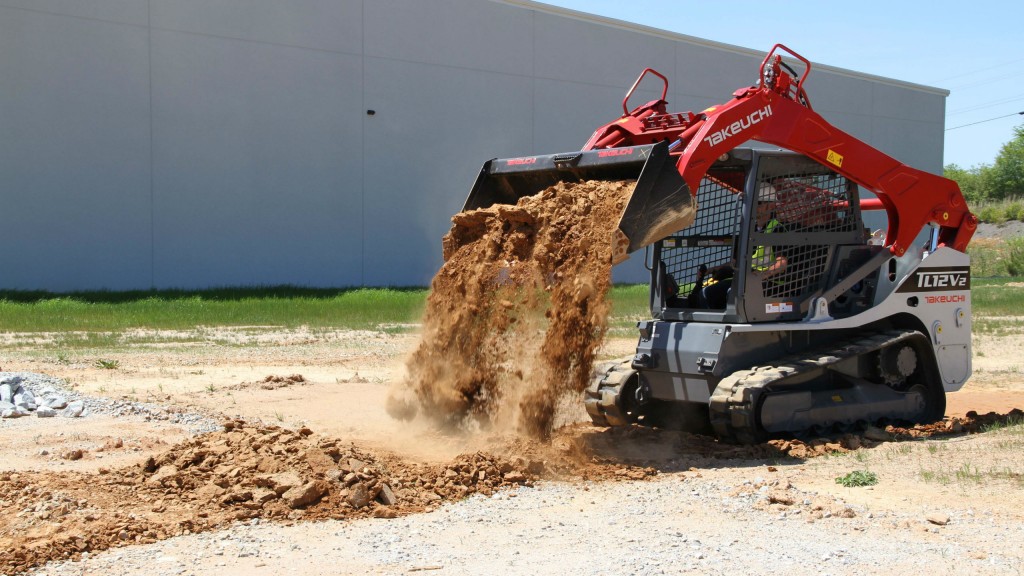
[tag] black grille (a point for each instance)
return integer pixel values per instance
(710, 241)
(798, 216)
(800, 213)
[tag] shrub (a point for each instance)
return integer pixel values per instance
(1014, 210)
(858, 478)
(1015, 256)
(986, 258)
(992, 214)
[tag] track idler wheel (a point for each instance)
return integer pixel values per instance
(615, 397)
(734, 405)
(906, 366)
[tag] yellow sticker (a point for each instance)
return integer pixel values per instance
(837, 398)
(835, 158)
(708, 110)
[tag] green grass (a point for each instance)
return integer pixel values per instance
(101, 319)
(997, 257)
(630, 304)
(997, 296)
(284, 307)
(968, 473)
(98, 320)
(933, 476)
(995, 327)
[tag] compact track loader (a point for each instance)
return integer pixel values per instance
(775, 310)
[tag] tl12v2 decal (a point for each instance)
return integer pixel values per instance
(938, 279)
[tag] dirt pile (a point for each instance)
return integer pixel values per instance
(518, 309)
(272, 382)
(242, 472)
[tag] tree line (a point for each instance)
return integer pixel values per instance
(1000, 181)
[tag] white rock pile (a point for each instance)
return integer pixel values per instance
(47, 396)
(17, 400)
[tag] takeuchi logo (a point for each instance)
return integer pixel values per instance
(738, 126)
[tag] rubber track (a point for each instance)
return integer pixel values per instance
(734, 403)
(602, 395)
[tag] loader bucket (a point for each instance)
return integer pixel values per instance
(660, 204)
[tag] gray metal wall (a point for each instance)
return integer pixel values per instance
(198, 143)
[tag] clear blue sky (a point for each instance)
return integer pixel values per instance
(974, 49)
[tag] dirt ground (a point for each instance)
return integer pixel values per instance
(346, 376)
(324, 393)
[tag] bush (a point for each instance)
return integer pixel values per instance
(992, 214)
(1015, 256)
(986, 258)
(1014, 210)
(998, 211)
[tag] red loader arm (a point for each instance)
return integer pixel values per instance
(778, 112)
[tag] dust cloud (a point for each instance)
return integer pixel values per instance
(516, 312)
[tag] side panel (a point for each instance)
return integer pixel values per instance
(939, 306)
(939, 292)
(411, 195)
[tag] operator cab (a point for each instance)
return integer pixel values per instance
(773, 231)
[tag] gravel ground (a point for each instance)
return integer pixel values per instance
(675, 524)
(1011, 229)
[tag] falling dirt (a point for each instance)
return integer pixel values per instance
(517, 311)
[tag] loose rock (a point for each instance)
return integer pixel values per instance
(359, 496)
(74, 409)
(305, 495)
(386, 496)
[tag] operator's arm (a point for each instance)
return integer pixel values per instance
(777, 267)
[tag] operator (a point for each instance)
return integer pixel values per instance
(766, 261)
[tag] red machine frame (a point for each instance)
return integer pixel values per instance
(778, 112)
